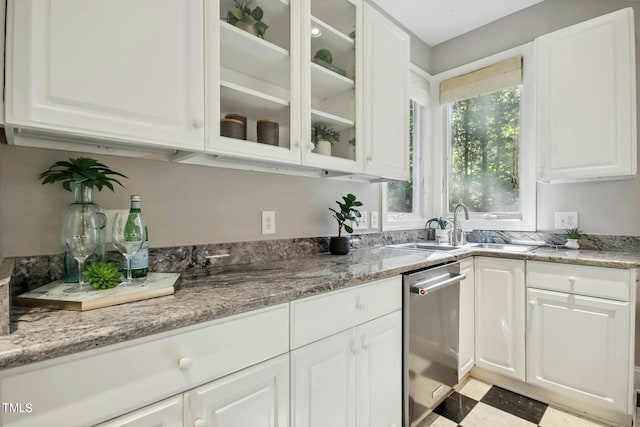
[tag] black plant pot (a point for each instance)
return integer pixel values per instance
(339, 245)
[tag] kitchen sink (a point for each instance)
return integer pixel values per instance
(445, 247)
(431, 246)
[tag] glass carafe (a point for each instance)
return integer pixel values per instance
(83, 205)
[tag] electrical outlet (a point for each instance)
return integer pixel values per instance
(374, 224)
(363, 223)
(564, 220)
(268, 222)
(111, 214)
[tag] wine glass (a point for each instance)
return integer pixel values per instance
(127, 236)
(80, 235)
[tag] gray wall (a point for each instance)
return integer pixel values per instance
(603, 207)
(183, 204)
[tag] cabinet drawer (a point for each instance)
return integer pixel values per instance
(319, 316)
(97, 385)
(601, 282)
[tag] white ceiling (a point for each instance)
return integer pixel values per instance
(435, 21)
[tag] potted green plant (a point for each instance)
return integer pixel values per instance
(324, 58)
(441, 235)
(81, 176)
(573, 234)
(323, 137)
(340, 245)
(247, 19)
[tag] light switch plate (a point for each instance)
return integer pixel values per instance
(363, 222)
(268, 222)
(374, 223)
(564, 220)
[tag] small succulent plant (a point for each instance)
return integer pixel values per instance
(102, 275)
(573, 233)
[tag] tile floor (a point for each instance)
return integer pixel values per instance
(479, 404)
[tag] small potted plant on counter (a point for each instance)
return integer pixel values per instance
(247, 19)
(323, 137)
(441, 233)
(348, 212)
(573, 234)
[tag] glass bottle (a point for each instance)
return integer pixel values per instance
(140, 261)
(83, 204)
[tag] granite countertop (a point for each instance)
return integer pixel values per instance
(39, 334)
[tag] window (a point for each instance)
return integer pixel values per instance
(403, 201)
(488, 139)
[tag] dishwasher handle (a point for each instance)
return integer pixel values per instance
(425, 287)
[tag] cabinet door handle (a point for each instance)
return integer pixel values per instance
(198, 124)
(360, 306)
(185, 363)
(199, 422)
(353, 348)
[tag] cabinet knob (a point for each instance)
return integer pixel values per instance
(353, 348)
(199, 422)
(369, 158)
(532, 302)
(296, 144)
(572, 280)
(198, 124)
(359, 307)
(185, 363)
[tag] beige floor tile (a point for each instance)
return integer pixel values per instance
(435, 420)
(475, 389)
(487, 416)
(556, 418)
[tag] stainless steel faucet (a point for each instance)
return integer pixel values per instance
(457, 234)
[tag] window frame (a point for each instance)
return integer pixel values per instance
(417, 219)
(527, 154)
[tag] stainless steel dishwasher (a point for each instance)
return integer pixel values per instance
(431, 301)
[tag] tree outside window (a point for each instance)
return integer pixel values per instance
(400, 194)
(485, 146)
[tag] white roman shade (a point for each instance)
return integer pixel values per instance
(494, 77)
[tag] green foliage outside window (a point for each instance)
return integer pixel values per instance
(484, 152)
(400, 193)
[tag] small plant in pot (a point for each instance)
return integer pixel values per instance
(247, 19)
(573, 234)
(323, 137)
(348, 212)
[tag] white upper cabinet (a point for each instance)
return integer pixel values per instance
(332, 85)
(586, 100)
(254, 80)
(127, 71)
(386, 106)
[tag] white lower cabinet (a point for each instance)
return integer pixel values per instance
(580, 345)
(256, 397)
(500, 316)
(466, 349)
(350, 379)
(167, 413)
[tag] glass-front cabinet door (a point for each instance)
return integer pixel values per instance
(331, 81)
(253, 79)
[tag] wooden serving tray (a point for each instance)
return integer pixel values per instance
(59, 294)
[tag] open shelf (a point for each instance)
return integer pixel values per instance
(334, 40)
(256, 105)
(341, 14)
(253, 56)
(336, 122)
(326, 83)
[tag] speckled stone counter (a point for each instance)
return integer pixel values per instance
(6, 268)
(202, 295)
